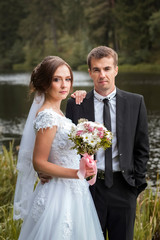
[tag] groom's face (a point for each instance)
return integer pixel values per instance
(103, 73)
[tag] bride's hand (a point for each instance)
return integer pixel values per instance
(44, 178)
(79, 95)
(90, 171)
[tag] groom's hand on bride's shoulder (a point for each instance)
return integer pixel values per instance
(44, 178)
(79, 95)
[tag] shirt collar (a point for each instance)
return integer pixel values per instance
(109, 96)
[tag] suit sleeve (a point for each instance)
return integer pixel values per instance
(141, 147)
(69, 109)
(72, 110)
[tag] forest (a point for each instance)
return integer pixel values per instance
(31, 30)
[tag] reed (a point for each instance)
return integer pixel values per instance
(147, 223)
(8, 174)
(9, 229)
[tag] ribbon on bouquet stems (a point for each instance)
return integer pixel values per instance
(87, 161)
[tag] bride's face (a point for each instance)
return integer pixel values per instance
(61, 83)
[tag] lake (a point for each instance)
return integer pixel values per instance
(15, 104)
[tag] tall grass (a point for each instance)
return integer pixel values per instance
(9, 229)
(147, 224)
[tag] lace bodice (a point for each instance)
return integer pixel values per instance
(61, 153)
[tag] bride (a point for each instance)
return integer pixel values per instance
(62, 208)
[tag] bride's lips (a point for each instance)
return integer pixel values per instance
(63, 92)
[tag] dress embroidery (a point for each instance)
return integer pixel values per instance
(39, 202)
(61, 209)
(67, 226)
(60, 154)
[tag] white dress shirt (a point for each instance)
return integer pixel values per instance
(98, 110)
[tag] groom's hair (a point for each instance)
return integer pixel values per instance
(101, 52)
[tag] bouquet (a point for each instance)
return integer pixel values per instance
(88, 137)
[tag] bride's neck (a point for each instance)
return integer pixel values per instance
(53, 103)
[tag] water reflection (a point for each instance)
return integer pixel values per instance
(149, 86)
(15, 104)
(154, 138)
(80, 79)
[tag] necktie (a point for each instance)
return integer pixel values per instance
(108, 152)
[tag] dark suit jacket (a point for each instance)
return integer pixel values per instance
(132, 132)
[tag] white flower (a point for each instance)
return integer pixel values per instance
(109, 135)
(87, 137)
(92, 143)
(90, 136)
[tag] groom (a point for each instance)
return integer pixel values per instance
(115, 191)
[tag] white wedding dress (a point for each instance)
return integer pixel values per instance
(62, 209)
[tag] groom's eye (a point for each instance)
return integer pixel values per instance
(95, 70)
(107, 68)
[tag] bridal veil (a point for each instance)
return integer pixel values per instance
(26, 174)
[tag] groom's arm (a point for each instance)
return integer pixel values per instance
(141, 147)
(73, 107)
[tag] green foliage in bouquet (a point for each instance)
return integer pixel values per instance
(89, 136)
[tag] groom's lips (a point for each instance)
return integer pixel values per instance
(104, 81)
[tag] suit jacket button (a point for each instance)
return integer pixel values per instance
(123, 171)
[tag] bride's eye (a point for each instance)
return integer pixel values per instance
(56, 79)
(68, 79)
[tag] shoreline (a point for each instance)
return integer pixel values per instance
(128, 68)
(125, 68)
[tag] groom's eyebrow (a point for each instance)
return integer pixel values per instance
(98, 69)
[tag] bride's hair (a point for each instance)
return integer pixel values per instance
(42, 74)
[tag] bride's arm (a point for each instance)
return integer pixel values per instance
(44, 139)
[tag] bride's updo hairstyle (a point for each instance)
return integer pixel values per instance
(42, 75)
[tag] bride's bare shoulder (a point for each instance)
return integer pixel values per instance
(44, 106)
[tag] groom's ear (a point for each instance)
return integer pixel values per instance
(116, 71)
(89, 71)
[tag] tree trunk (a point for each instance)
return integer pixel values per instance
(54, 33)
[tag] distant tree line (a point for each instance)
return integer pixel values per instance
(30, 30)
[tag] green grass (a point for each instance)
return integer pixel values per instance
(128, 68)
(139, 68)
(147, 224)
